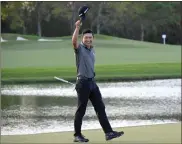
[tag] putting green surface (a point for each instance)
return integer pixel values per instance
(165, 133)
(115, 57)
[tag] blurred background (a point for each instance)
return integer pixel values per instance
(145, 21)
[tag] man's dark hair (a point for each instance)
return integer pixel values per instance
(87, 31)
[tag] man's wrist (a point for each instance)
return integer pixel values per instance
(77, 27)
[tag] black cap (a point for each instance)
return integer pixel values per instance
(82, 11)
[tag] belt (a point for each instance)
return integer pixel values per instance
(85, 78)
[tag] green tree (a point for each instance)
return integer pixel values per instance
(68, 10)
(43, 11)
(11, 12)
(18, 14)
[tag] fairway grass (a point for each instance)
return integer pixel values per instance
(108, 51)
(163, 133)
(116, 59)
(103, 73)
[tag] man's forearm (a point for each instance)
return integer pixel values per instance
(75, 36)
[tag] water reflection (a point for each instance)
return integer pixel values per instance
(134, 103)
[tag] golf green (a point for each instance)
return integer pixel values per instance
(164, 133)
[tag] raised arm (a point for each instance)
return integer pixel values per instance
(75, 35)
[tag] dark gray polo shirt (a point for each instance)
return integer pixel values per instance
(85, 60)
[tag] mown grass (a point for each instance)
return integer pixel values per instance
(107, 72)
(108, 52)
(166, 133)
(115, 58)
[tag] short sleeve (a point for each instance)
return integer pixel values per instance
(77, 49)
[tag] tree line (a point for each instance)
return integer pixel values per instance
(145, 21)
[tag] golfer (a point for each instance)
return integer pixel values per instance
(86, 86)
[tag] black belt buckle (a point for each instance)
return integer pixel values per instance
(85, 78)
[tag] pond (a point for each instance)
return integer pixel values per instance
(42, 108)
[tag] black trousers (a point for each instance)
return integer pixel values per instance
(88, 89)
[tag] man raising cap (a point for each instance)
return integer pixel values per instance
(86, 86)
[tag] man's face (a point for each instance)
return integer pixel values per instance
(87, 39)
